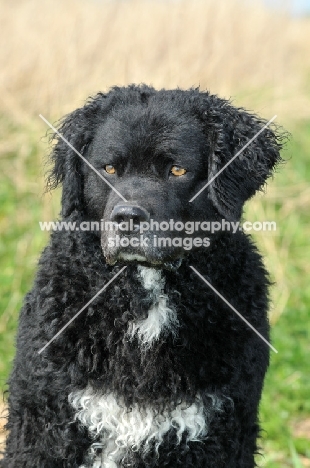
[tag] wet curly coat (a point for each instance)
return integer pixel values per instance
(157, 371)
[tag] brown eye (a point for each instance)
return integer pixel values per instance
(178, 171)
(110, 169)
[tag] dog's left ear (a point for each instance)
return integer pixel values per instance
(229, 130)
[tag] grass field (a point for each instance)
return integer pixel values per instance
(57, 54)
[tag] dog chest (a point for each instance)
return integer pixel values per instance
(118, 430)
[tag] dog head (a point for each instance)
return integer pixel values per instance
(144, 156)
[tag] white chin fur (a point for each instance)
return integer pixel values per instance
(122, 429)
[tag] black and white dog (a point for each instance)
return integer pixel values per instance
(157, 370)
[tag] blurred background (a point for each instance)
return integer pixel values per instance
(55, 54)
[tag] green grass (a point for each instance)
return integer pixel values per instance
(285, 404)
(22, 206)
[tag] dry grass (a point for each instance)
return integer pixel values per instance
(57, 53)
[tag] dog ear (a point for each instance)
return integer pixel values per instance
(229, 130)
(77, 129)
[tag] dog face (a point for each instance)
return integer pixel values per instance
(157, 150)
(156, 158)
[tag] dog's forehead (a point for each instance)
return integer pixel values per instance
(136, 130)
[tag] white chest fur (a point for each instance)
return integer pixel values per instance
(122, 429)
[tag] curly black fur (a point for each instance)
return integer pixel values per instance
(213, 352)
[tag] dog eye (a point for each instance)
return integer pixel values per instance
(178, 171)
(110, 169)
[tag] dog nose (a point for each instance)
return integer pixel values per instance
(126, 213)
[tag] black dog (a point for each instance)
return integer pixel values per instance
(156, 371)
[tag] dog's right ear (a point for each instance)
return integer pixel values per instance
(78, 129)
